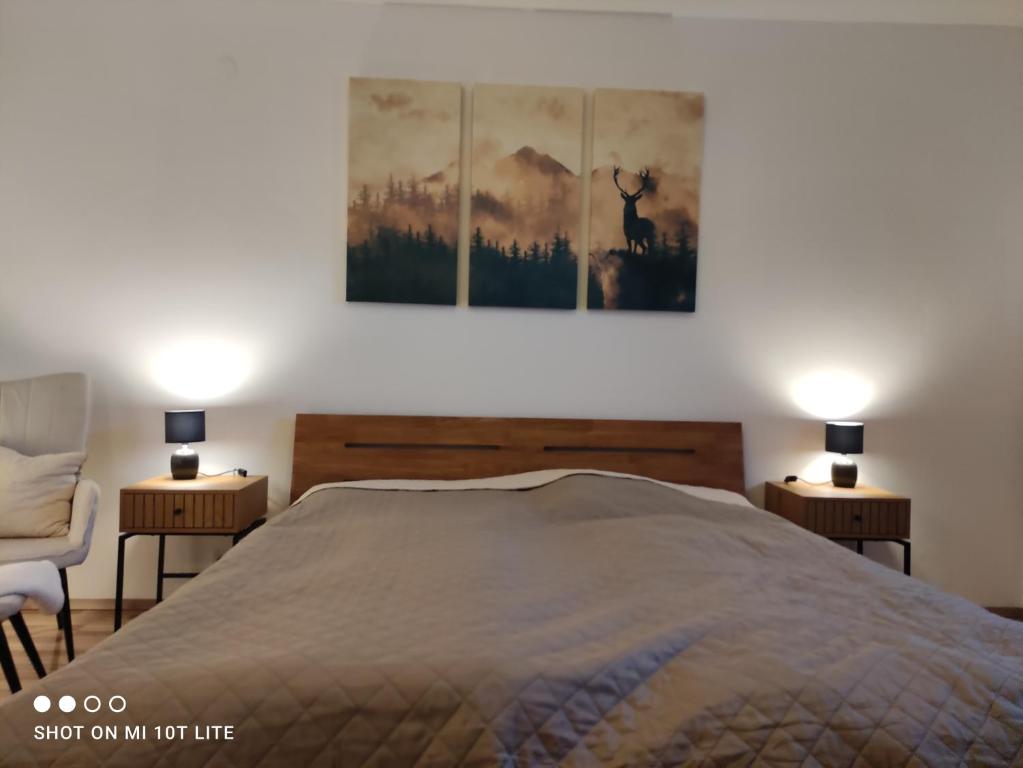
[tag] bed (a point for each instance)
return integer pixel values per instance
(603, 596)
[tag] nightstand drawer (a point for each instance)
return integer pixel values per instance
(860, 519)
(167, 511)
(205, 505)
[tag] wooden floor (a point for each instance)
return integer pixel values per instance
(90, 627)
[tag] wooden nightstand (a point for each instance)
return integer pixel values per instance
(844, 514)
(207, 506)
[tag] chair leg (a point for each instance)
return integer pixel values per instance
(7, 662)
(63, 584)
(21, 629)
(69, 637)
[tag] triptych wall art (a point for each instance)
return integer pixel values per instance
(527, 184)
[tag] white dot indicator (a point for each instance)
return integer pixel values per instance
(41, 703)
(92, 704)
(67, 703)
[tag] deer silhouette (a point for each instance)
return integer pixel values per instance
(639, 232)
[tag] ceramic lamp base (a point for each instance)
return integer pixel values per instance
(843, 474)
(184, 465)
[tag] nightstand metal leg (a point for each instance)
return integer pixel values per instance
(905, 557)
(119, 592)
(159, 568)
(859, 546)
(258, 522)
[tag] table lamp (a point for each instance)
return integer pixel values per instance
(185, 428)
(843, 437)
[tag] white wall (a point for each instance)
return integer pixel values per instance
(176, 170)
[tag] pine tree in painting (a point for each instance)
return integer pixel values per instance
(389, 251)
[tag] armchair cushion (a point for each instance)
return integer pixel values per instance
(62, 551)
(36, 493)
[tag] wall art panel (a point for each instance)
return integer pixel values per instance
(403, 176)
(645, 200)
(526, 196)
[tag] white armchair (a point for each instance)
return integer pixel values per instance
(50, 414)
(19, 581)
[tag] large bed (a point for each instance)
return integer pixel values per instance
(493, 608)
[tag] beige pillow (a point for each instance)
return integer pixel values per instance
(35, 493)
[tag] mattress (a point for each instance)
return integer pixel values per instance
(583, 620)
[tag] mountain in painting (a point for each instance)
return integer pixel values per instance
(538, 198)
(522, 245)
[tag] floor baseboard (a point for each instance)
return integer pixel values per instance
(100, 604)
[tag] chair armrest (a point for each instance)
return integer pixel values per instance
(84, 507)
(36, 580)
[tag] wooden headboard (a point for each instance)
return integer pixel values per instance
(331, 448)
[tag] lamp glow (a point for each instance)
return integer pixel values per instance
(832, 394)
(201, 369)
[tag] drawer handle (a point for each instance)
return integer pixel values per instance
(179, 511)
(857, 518)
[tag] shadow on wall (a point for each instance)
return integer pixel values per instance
(775, 447)
(26, 356)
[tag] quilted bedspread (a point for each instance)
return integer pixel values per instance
(591, 621)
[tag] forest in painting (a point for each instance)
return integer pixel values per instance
(526, 157)
(403, 191)
(645, 200)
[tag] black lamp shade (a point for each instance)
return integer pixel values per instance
(843, 437)
(184, 426)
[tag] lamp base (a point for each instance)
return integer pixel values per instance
(843, 474)
(184, 464)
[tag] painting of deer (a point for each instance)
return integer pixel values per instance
(645, 185)
(639, 232)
